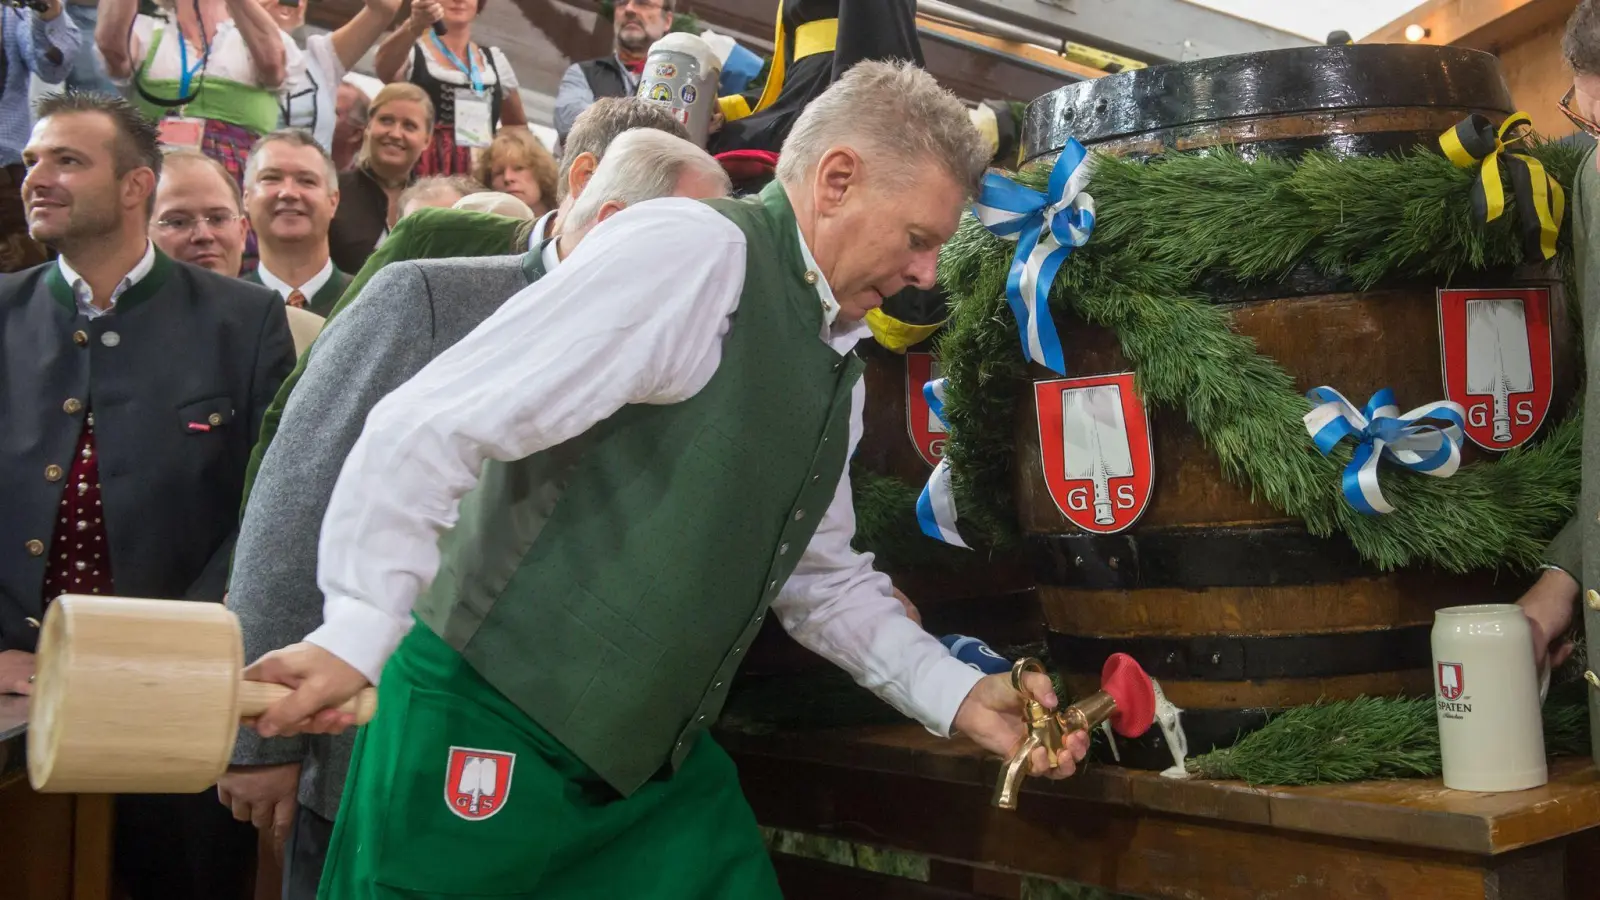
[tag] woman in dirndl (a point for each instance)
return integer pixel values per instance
(472, 87)
(207, 70)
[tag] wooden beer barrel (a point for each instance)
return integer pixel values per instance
(1230, 604)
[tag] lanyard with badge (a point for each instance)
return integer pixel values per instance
(472, 116)
(180, 132)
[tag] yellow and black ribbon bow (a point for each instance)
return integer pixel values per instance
(1540, 201)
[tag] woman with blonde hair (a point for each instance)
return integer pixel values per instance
(517, 164)
(399, 123)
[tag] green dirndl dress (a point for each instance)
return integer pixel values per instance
(454, 792)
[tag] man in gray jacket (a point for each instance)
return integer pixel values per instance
(405, 316)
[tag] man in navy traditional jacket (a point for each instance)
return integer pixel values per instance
(134, 386)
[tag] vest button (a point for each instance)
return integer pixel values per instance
(111, 339)
(717, 686)
(32, 622)
(1593, 599)
(81, 338)
(772, 585)
(215, 419)
(799, 514)
(52, 472)
(35, 548)
(784, 548)
(72, 407)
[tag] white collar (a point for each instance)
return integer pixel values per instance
(542, 227)
(830, 304)
(284, 288)
(551, 254)
(85, 295)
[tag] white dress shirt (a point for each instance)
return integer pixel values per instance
(284, 288)
(84, 295)
(558, 358)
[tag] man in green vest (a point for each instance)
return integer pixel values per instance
(590, 502)
(406, 315)
(291, 191)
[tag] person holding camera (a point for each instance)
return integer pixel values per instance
(473, 89)
(35, 39)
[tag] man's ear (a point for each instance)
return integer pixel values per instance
(582, 170)
(139, 187)
(609, 209)
(839, 171)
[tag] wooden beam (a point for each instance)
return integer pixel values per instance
(1489, 25)
(1029, 52)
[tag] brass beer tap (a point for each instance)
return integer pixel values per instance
(1049, 730)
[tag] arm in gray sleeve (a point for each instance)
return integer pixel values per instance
(366, 351)
(572, 98)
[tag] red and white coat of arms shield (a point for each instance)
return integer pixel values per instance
(1452, 681)
(927, 433)
(1495, 348)
(477, 783)
(1094, 441)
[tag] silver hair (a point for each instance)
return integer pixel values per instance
(433, 185)
(294, 137)
(887, 110)
(641, 164)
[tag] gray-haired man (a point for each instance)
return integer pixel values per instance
(592, 501)
(404, 317)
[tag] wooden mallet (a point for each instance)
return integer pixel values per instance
(142, 696)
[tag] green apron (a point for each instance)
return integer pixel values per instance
(540, 824)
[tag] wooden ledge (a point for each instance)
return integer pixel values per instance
(1419, 814)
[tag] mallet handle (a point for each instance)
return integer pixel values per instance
(256, 696)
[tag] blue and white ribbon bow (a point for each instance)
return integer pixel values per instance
(1382, 432)
(1046, 226)
(936, 508)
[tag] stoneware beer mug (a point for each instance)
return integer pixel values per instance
(681, 73)
(1486, 692)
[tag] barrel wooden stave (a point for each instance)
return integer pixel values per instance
(1230, 603)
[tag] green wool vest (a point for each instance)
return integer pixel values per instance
(610, 586)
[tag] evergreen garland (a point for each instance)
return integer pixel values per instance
(1166, 226)
(886, 525)
(1368, 738)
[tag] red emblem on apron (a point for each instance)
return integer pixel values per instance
(476, 782)
(1451, 681)
(927, 434)
(1094, 439)
(1495, 348)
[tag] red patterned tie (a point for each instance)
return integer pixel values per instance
(297, 299)
(80, 558)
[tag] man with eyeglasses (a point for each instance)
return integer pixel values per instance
(134, 389)
(199, 219)
(637, 24)
(1573, 558)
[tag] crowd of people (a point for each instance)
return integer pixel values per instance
(217, 77)
(533, 446)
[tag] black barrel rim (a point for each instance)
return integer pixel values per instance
(1273, 82)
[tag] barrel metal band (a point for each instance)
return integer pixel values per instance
(1194, 558)
(1244, 658)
